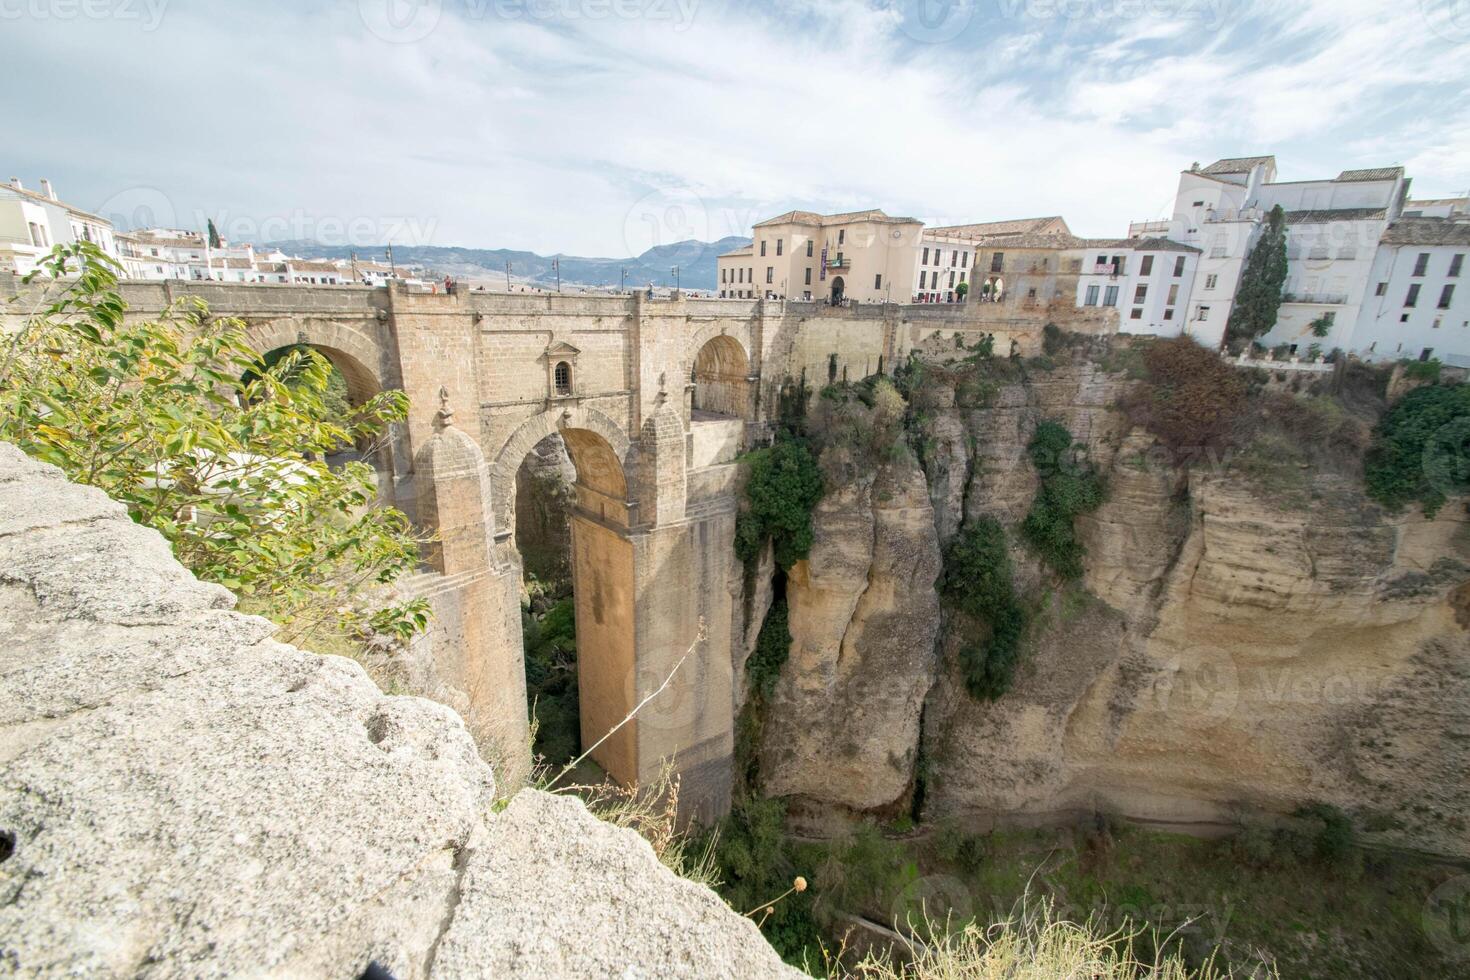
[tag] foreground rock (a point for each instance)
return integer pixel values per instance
(180, 795)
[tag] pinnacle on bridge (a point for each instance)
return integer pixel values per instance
(444, 418)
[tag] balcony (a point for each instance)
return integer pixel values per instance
(1315, 299)
(839, 263)
(1109, 270)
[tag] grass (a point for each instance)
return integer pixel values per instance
(1163, 893)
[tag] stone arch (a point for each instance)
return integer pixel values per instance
(599, 448)
(357, 356)
(721, 376)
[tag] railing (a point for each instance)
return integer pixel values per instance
(1317, 299)
(1234, 214)
(1137, 228)
(1109, 270)
(839, 263)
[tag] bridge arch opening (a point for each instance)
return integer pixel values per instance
(721, 377)
(352, 385)
(569, 533)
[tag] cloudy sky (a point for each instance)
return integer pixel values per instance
(601, 127)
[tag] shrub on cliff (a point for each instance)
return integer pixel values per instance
(978, 581)
(222, 453)
(1421, 449)
(1069, 488)
(784, 485)
(1191, 400)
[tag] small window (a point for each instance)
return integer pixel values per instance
(1110, 298)
(926, 257)
(1426, 353)
(1211, 281)
(563, 378)
(763, 246)
(808, 248)
(808, 275)
(1168, 314)
(1148, 266)
(951, 280)
(1456, 264)
(954, 258)
(780, 243)
(770, 274)
(1204, 313)
(1382, 289)
(997, 262)
(1091, 296)
(841, 236)
(1412, 299)
(1422, 265)
(1140, 294)
(878, 281)
(1137, 313)
(1447, 297)
(1404, 318)
(1199, 204)
(1179, 266)
(1173, 295)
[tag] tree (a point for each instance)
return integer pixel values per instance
(962, 290)
(221, 453)
(213, 235)
(1258, 298)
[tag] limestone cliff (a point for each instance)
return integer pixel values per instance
(1232, 649)
(182, 796)
(843, 725)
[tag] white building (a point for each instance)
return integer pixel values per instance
(1333, 230)
(1150, 282)
(948, 254)
(32, 223)
(1419, 303)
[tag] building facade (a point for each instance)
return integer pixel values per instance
(32, 223)
(859, 256)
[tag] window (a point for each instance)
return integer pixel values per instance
(563, 379)
(878, 281)
(1202, 313)
(1179, 266)
(1404, 318)
(1140, 294)
(808, 275)
(770, 274)
(1137, 313)
(962, 275)
(1426, 353)
(1456, 264)
(1413, 298)
(954, 258)
(951, 279)
(1330, 317)
(964, 262)
(763, 246)
(841, 236)
(780, 243)
(1091, 296)
(1148, 266)
(1168, 314)
(926, 257)
(1110, 298)
(1211, 281)
(1446, 297)
(934, 280)
(1199, 204)
(1173, 295)
(1422, 265)
(998, 262)
(722, 276)
(1381, 290)
(808, 248)
(741, 273)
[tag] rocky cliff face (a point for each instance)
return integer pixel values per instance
(182, 796)
(1231, 650)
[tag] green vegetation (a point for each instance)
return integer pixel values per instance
(550, 640)
(1258, 299)
(1300, 897)
(223, 454)
(784, 485)
(856, 428)
(756, 864)
(1421, 449)
(1069, 488)
(772, 648)
(977, 581)
(1422, 370)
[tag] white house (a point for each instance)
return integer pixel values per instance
(1148, 280)
(32, 223)
(1419, 303)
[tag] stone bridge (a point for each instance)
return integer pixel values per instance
(655, 399)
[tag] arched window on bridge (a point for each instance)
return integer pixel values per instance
(563, 379)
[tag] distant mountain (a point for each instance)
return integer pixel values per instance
(695, 259)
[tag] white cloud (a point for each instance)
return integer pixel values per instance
(545, 133)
